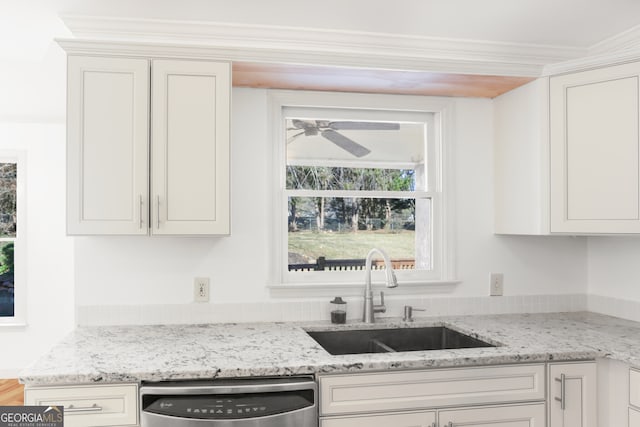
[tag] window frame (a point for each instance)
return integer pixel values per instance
(440, 184)
(20, 241)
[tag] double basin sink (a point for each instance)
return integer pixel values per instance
(358, 341)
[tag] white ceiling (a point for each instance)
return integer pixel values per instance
(27, 26)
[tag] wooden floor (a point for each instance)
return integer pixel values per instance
(11, 393)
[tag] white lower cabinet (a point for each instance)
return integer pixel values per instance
(572, 395)
(431, 388)
(415, 419)
(503, 416)
(90, 405)
(634, 398)
(505, 396)
(634, 387)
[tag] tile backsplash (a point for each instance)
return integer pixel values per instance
(616, 307)
(309, 310)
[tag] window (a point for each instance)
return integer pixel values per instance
(11, 241)
(351, 178)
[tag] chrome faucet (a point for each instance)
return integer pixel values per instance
(368, 314)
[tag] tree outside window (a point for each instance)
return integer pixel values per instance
(352, 185)
(8, 234)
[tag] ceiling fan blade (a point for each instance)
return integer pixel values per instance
(345, 143)
(364, 126)
(294, 137)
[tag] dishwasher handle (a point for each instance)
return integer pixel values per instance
(230, 387)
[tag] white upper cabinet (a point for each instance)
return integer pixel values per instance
(567, 154)
(521, 165)
(107, 145)
(111, 189)
(190, 148)
(595, 164)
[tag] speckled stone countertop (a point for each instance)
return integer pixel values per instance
(168, 352)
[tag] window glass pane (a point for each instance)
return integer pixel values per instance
(350, 143)
(8, 181)
(329, 233)
(6, 279)
(341, 178)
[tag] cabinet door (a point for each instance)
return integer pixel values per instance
(190, 147)
(634, 387)
(431, 388)
(634, 418)
(107, 145)
(418, 419)
(104, 405)
(594, 163)
(503, 416)
(634, 398)
(572, 395)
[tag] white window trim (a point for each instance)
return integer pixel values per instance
(20, 248)
(281, 281)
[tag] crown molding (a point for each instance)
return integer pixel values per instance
(627, 40)
(619, 49)
(292, 45)
(593, 61)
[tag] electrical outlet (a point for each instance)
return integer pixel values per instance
(497, 284)
(201, 289)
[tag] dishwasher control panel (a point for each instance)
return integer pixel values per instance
(230, 406)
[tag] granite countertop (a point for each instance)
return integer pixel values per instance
(169, 352)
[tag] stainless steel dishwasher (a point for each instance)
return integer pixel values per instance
(242, 402)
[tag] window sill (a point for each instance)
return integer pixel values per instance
(297, 290)
(13, 325)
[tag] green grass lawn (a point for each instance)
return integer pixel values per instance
(398, 244)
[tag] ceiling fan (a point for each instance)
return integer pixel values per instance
(328, 130)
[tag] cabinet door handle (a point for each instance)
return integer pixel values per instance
(141, 210)
(449, 424)
(158, 212)
(92, 408)
(561, 399)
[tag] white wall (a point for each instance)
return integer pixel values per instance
(32, 109)
(614, 276)
(50, 302)
(143, 270)
(614, 267)
(531, 265)
(160, 270)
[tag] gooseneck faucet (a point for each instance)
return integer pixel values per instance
(369, 308)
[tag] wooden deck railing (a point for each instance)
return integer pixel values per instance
(323, 264)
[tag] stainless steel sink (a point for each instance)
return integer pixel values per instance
(358, 341)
